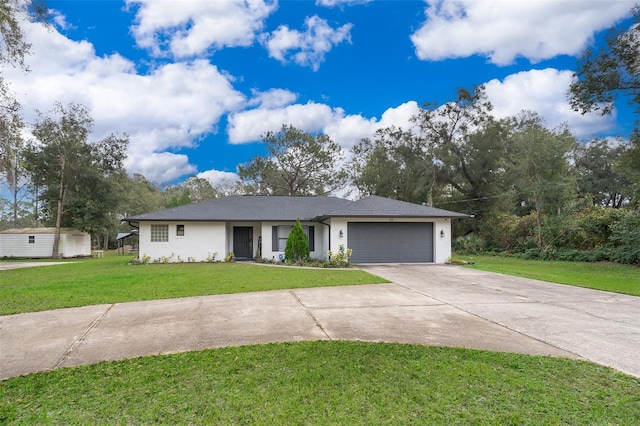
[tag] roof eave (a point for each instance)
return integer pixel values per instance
(399, 216)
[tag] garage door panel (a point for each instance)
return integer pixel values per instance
(380, 242)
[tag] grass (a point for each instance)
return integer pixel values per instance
(309, 382)
(113, 280)
(326, 383)
(601, 276)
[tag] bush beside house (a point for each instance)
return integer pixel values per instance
(297, 248)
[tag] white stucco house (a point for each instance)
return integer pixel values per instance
(377, 229)
(38, 242)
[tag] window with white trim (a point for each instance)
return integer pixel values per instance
(180, 230)
(159, 233)
(32, 239)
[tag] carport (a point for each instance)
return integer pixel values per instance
(127, 242)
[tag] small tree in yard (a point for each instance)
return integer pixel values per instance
(297, 244)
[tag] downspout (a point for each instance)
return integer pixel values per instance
(131, 224)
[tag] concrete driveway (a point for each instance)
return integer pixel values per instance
(598, 326)
(425, 304)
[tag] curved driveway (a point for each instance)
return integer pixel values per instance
(425, 304)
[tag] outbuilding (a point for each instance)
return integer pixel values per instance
(377, 229)
(38, 242)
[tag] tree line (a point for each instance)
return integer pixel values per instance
(530, 188)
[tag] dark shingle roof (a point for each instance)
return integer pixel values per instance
(248, 208)
(289, 208)
(374, 206)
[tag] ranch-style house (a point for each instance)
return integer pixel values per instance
(377, 229)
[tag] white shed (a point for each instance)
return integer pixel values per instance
(38, 242)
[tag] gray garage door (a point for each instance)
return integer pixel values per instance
(390, 242)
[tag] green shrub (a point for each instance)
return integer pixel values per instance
(574, 255)
(532, 253)
(625, 228)
(297, 248)
(627, 255)
(568, 254)
(341, 258)
(470, 244)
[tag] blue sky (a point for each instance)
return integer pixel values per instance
(196, 83)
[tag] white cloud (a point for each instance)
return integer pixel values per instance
(191, 27)
(159, 167)
(273, 98)
(59, 20)
(544, 91)
(332, 3)
(306, 48)
(219, 178)
(504, 30)
(173, 106)
(400, 116)
(346, 130)
(249, 126)
(351, 129)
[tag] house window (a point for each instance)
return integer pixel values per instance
(32, 239)
(180, 230)
(281, 234)
(159, 233)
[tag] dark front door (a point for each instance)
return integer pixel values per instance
(243, 242)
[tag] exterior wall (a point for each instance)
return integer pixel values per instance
(201, 240)
(337, 225)
(17, 245)
(321, 240)
(441, 244)
(72, 244)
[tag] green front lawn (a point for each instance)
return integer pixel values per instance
(113, 280)
(308, 382)
(327, 383)
(601, 276)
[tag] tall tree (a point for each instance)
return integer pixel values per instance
(93, 207)
(629, 166)
(200, 189)
(13, 50)
(11, 125)
(138, 195)
(72, 172)
(175, 196)
(298, 164)
(606, 73)
(603, 75)
(540, 167)
(596, 165)
(396, 164)
(14, 47)
(18, 184)
(468, 145)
